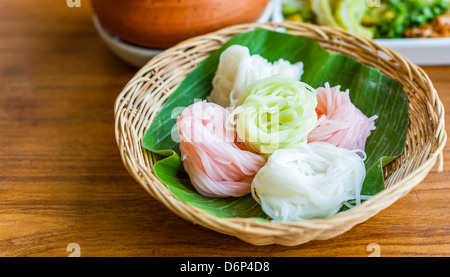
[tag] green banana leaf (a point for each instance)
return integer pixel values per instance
(371, 91)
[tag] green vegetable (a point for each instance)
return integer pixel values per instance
(298, 10)
(394, 17)
(349, 15)
(390, 20)
(344, 14)
(324, 12)
(370, 91)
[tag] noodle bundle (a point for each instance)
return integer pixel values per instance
(313, 180)
(339, 121)
(238, 69)
(217, 167)
(275, 112)
(299, 151)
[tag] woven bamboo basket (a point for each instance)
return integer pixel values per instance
(145, 94)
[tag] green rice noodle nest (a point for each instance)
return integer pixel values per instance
(275, 112)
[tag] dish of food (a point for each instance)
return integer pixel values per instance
(416, 29)
(378, 19)
(147, 135)
(279, 133)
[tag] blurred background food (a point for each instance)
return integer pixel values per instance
(162, 23)
(377, 19)
(137, 30)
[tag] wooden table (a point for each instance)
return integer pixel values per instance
(62, 180)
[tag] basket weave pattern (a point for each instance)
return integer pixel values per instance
(145, 94)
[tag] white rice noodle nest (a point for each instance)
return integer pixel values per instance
(238, 69)
(313, 180)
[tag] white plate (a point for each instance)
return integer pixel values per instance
(131, 54)
(421, 51)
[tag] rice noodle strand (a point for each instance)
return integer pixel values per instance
(238, 69)
(216, 166)
(339, 121)
(313, 180)
(275, 112)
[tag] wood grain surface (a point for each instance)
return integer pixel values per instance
(62, 180)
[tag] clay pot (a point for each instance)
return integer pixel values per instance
(163, 23)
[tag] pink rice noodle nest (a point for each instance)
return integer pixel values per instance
(339, 121)
(217, 167)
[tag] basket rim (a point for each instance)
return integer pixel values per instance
(252, 226)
